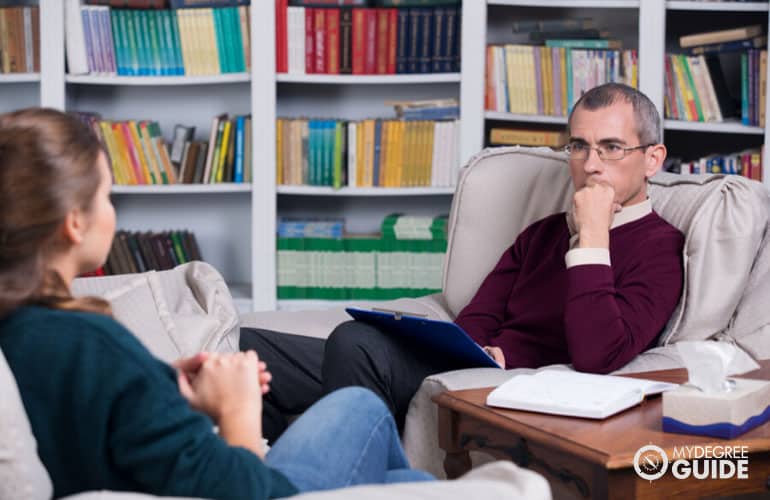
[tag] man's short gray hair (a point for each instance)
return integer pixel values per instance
(645, 114)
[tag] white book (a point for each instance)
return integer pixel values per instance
(77, 56)
(564, 392)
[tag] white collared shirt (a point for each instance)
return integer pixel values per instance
(581, 256)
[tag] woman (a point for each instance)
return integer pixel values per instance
(105, 412)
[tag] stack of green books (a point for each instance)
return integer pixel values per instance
(404, 261)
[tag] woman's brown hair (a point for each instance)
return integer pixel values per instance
(48, 166)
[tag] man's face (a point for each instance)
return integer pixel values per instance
(613, 127)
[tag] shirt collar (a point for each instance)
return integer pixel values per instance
(627, 214)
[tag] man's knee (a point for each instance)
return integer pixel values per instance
(347, 341)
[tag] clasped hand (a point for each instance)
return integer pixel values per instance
(218, 384)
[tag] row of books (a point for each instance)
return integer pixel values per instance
(225, 157)
(165, 4)
(747, 163)
(753, 87)
(137, 252)
(137, 151)
(405, 260)
(20, 39)
(543, 80)
(367, 41)
(136, 42)
(367, 153)
(696, 89)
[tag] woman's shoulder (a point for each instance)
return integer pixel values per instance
(62, 328)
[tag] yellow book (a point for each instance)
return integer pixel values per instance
(529, 58)
(223, 151)
(411, 153)
(210, 52)
(360, 160)
(243, 14)
(430, 133)
(398, 153)
(419, 146)
(182, 16)
(762, 87)
(547, 80)
(279, 151)
(133, 176)
(118, 176)
(368, 169)
(140, 153)
(526, 137)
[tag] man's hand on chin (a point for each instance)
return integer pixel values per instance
(594, 207)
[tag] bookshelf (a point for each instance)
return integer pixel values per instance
(236, 224)
(24, 86)
(650, 26)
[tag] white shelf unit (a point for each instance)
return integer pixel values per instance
(718, 6)
(348, 97)
(19, 78)
(236, 225)
(361, 191)
(155, 81)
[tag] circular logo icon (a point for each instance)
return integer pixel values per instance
(650, 462)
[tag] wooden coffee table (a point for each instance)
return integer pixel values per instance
(584, 458)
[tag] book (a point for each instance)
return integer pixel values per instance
(595, 43)
(574, 394)
(529, 25)
(720, 36)
(734, 46)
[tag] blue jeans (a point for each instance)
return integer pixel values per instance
(347, 438)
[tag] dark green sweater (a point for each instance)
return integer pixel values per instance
(108, 415)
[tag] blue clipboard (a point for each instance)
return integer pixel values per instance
(443, 337)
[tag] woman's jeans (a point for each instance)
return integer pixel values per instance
(346, 438)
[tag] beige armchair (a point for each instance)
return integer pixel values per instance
(727, 266)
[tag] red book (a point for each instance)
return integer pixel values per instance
(381, 56)
(320, 40)
(359, 41)
(392, 41)
(333, 41)
(309, 40)
(281, 36)
(370, 54)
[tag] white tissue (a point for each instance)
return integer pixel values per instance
(709, 363)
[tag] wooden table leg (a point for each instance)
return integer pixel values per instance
(458, 460)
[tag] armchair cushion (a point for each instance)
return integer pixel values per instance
(175, 313)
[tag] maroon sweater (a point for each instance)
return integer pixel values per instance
(595, 316)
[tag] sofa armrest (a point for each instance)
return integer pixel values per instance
(495, 480)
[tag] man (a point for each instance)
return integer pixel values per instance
(593, 287)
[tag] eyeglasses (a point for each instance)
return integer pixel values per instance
(581, 151)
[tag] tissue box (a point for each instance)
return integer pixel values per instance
(687, 410)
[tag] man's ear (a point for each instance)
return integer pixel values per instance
(654, 159)
(73, 227)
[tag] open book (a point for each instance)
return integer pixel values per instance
(563, 392)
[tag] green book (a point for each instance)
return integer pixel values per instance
(221, 34)
(158, 66)
(133, 45)
(745, 115)
(178, 248)
(598, 43)
(179, 68)
(239, 63)
(691, 83)
(215, 164)
(143, 42)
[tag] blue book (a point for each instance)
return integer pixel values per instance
(735, 46)
(440, 338)
(426, 41)
(240, 122)
(414, 41)
(402, 41)
(439, 39)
